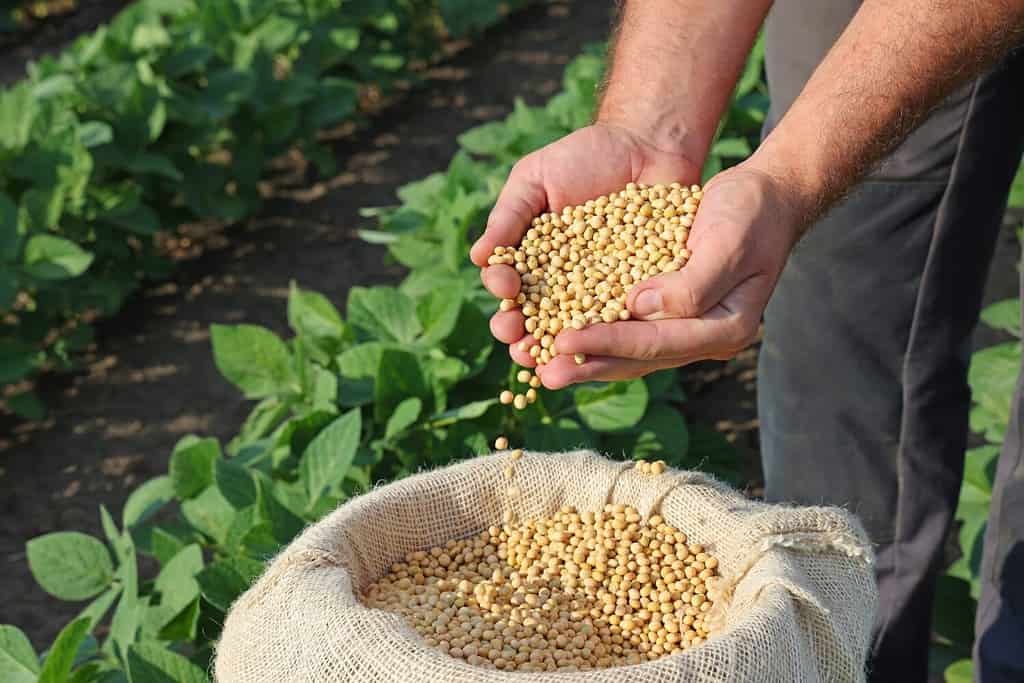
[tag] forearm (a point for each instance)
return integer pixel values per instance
(673, 67)
(896, 60)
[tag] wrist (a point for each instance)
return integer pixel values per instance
(802, 190)
(657, 128)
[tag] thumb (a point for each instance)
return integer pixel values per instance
(708, 276)
(522, 198)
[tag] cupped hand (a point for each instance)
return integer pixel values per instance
(592, 161)
(711, 309)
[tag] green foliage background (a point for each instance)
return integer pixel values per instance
(406, 379)
(168, 116)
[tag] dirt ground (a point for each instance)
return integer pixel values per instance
(153, 379)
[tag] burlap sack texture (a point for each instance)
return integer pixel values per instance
(798, 588)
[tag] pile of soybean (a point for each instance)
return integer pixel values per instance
(573, 592)
(577, 266)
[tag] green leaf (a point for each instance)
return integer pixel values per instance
(151, 163)
(423, 195)
(979, 467)
(18, 109)
(70, 565)
(9, 235)
(95, 133)
(1017, 190)
(953, 610)
(661, 434)
(753, 71)
(152, 663)
(98, 608)
(8, 284)
(16, 360)
(253, 358)
(384, 314)
(324, 392)
(183, 625)
(711, 452)
(243, 523)
(438, 312)
(404, 416)
(312, 314)
(328, 457)
(284, 524)
(18, 661)
(165, 545)
(467, 411)
(149, 36)
(53, 86)
(664, 384)
(972, 512)
(488, 139)
(267, 415)
(961, 671)
(563, 435)
(176, 582)
(1003, 315)
(192, 462)
(61, 657)
(300, 431)
(210, 513)
(223, 581)
(473, 341)
(124, 624)
(362, 360)
(235, 483)
(732, 147)
(613, 407)
(466, 16)
(146, 500)
(400, 376)
(137, 218)
(355, 392)
(346, 38)
(27, 405)
(336, 100)
(993, 376)
(48, 257)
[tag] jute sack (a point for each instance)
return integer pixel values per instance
(797, 591)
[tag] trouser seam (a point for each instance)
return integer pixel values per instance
(911, 338)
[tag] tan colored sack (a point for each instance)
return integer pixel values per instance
(799, 590)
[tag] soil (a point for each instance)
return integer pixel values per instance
(152, 379)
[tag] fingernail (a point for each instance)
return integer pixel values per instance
(647, 303)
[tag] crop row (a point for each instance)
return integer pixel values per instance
(168, 116)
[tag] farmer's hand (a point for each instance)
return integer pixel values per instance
(746, 226)
(710, 309)
(599, 159)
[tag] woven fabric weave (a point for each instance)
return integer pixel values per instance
(797, 594)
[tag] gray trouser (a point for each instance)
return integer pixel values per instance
(862, 391)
